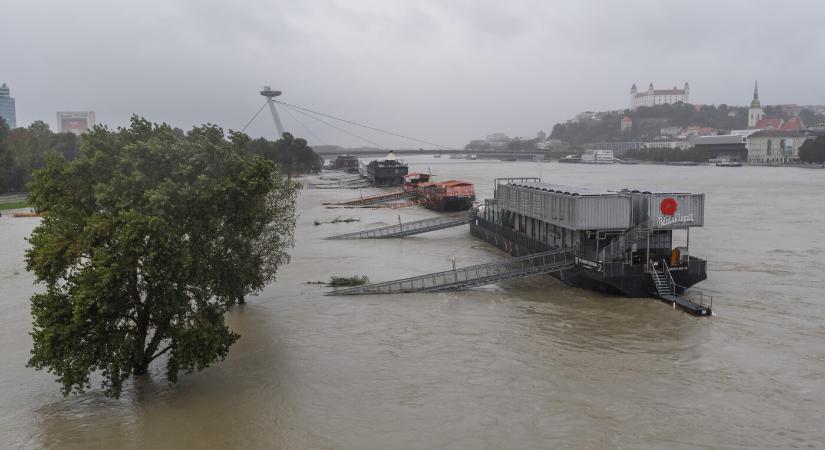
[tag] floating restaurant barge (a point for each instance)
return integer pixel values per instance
(621, 241)
(618, 242)
(387, 172)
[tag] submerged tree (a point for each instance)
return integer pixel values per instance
(147, 238)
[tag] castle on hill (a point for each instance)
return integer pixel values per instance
(653, 97)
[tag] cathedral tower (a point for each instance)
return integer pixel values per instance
(755, 112)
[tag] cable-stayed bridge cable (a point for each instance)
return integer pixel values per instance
(362, 125)
(303, 126)
(299, 111)
(253, 117)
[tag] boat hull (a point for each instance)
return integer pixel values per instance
(445, 204)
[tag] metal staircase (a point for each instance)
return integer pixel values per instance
(662, 279)
(409, 228)
(546, 262)
(666, 289)
(625, 241)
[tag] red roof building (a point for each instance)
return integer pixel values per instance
(793, 124)
(769, 123)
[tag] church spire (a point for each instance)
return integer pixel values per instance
(755, 101)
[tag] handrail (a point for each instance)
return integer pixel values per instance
(669, 277)
(620, 243)
(432, 223)
(469, 276)
(692, 291)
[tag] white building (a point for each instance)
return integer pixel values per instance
(77, 122)
(653, 97)
(775, 146)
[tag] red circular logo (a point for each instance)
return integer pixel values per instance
(668, 206)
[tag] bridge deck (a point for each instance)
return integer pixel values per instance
(546, 262)
(379, 198)
(409, 228)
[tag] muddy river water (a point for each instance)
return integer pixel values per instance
(525, 364)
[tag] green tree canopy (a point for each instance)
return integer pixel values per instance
(292, 153)
(24, 150)
(146, 240)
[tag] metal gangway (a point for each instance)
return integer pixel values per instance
(378, 198)
(408, 228)
(537, 263)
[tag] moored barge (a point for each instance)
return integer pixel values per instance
(387, 172)
(622, 241)
(450, 195)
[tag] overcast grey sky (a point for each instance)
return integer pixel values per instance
(444, 71)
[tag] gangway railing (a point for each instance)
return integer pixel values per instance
(695, 295)
(408, 228)
(378, 198)
(461, 278)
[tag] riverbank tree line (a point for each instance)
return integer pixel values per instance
(147, 238)
(23, 150)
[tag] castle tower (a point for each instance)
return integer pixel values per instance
(687, 92)
(633, 93)
(755, 112)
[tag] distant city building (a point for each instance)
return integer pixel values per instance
(541, 136)
(775, 146)
(7, 108)
(586, 115)
(758, 121)
(653, 97)
(497, 140)
(699, 131)
(670, 131)
(625, 124)
(619, 148)
(778, 123)
(755, 113)
(730, 146)
(77, 122)
(666, 144)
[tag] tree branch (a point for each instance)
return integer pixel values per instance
(166, 349)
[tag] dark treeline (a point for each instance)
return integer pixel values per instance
(24, 150)
(813, 151)
(293, 154)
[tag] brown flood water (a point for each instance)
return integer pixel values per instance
(527, 364)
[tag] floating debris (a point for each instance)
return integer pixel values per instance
(339, 220)
(356, 280)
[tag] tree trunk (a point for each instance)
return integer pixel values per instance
(140, 360)
(241, 300)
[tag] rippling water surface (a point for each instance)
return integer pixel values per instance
(526, 364)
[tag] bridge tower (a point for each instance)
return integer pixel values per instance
(270, 94)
